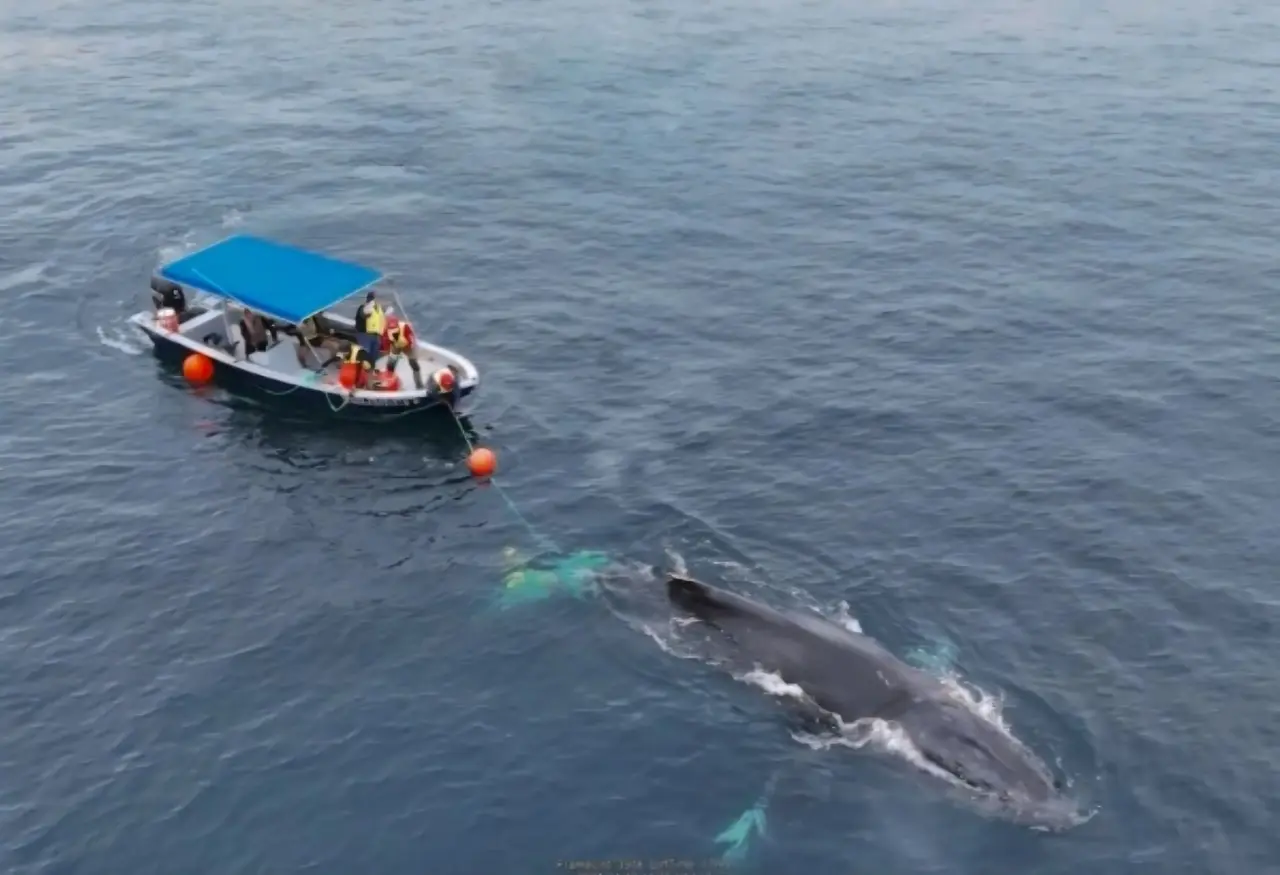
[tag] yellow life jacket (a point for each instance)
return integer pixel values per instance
(355, 355)
(375, 320)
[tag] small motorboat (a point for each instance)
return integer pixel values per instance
(201, 299)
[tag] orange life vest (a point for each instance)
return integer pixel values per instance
(401, 336)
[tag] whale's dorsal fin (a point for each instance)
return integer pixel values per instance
(704, 600)
(678, 584)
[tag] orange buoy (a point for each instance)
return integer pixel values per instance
(347, 374)
(197, 368)
(388, 381)
(482, 462)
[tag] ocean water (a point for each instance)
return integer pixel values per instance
(957, 318)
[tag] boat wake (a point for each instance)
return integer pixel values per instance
(117, 339)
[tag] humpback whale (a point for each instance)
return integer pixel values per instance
(851, 677)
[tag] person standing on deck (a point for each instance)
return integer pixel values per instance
(401, 342)
(370, 322)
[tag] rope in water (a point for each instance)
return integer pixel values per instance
(311, 379)
(737, 837)
(511, 505)
(291, 389)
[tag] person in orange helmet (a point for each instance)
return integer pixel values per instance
(401, 342)
(444, 383)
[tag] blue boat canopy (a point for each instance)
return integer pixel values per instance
(277, 280)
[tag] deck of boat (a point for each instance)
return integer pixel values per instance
(282, 358)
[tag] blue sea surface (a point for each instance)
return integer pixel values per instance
(956, 317)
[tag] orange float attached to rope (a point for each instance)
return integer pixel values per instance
(197, 368)
(482, 462)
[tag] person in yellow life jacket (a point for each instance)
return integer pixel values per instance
(370, 321)
(401, 342)
(356, 355)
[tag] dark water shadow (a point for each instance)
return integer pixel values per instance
(436, 432)
(306, 439)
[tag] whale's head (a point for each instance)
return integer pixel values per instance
(994, 769)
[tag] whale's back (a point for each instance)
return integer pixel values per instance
(854, 677)
(845, 673)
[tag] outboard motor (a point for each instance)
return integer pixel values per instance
(167, 294)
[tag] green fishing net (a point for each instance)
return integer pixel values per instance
(530, 581)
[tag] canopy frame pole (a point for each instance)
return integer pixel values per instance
(403, 310)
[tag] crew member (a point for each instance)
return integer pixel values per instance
(444, 384)
(401, 342)
(370, 322)
(254, 330)
(357, 356)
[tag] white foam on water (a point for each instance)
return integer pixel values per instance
(669, 641)
(171, 251)
(987, 706)
(677, 562)
(658, 639)
(773, 684)
(118, 342)
(883, 736)
(811, 741)
(846, 619)
(734, 570)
